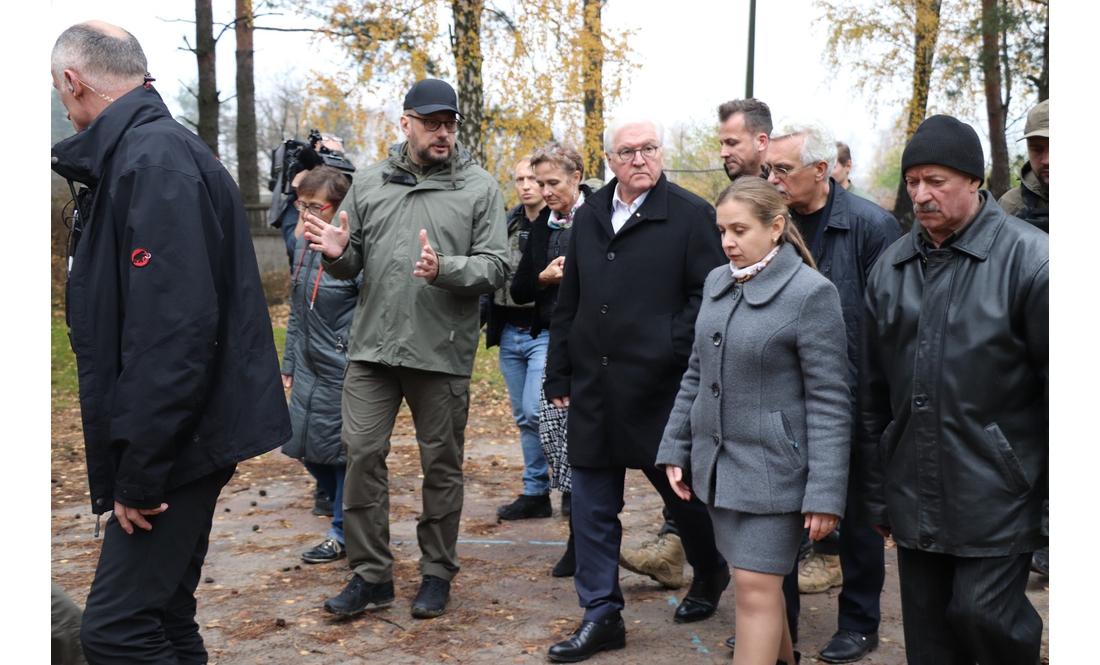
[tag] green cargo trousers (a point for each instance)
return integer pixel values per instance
(440, 404)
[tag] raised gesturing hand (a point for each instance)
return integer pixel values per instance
(428, 265)
(328, 239)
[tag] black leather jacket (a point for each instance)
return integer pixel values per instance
(952, 433)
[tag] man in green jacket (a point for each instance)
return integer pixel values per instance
(426, 226)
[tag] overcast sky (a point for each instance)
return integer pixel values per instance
(691, 60)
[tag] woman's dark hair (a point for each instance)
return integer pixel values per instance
(326, 182)
(765, 204)
(561, 155)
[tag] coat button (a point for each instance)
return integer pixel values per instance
(927, 542)
(714, 389)
(717, 439)
(717, 339)
(920, 400)
(603, 361)
(99, 501)
(611, 256)
(603, 309)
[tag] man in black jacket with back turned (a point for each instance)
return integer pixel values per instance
(179, 379)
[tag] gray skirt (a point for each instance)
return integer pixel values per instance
(760, 543)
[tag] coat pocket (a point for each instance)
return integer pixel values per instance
(784, 438)
(1005, 459)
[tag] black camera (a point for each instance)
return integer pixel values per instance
(293, 156)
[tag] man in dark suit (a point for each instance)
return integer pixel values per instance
(619, 343)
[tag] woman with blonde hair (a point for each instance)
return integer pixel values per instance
(763, 417)
(559, 170)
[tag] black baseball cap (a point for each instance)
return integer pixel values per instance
(431, 95)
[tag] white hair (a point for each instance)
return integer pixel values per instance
(818, 145)
(618, 123)
(110, 63)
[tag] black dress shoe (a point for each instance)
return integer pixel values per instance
(358, 595)
(848, 646)
(567, 565)
(589, 638)
(702, 598)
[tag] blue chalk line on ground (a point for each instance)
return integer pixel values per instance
(556, 543)
(695, 640)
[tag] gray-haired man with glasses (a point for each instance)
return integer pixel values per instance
(426, 226)
(846, 234)
(619, 344)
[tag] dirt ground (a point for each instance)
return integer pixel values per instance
(258, 603)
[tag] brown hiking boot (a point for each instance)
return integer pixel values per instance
(662, 560)
(820, 572)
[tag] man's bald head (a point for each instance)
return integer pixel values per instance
(102, 55)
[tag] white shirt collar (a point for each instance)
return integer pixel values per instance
(621, 211)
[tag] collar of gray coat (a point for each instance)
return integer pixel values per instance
(765, 284)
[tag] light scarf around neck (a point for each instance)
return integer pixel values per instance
(743, 274)
(557, 222)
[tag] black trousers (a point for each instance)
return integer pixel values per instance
(863, 562)
(961, 610)
(598, 533)
(141, 607)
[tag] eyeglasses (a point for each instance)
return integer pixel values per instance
(433, 125)
(782, 173)
(314, 209)
(648, 152)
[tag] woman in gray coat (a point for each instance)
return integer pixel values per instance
(321, 308)
(763, 416)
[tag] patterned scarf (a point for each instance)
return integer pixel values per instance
(744, 274)
(557, 222)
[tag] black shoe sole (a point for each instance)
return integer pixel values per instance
(610, 646)
(368, 607)
(540, 515)
(305, 560)
(425, 613)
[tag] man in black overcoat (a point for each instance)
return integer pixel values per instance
(620, 340)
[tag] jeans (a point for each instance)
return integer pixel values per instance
(331, 479)
(521, 361)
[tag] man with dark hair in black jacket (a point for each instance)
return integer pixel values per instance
(179, 378)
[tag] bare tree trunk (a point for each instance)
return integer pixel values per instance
(466, 46)
(926, 32)
(248, 176)
(208, 83)
(1042, 84)
(593, 89)
(994, 105)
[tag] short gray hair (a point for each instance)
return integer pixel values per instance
(616, 124)
(109, 63)
(818, 145)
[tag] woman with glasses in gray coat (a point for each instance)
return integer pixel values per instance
(763, 416)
